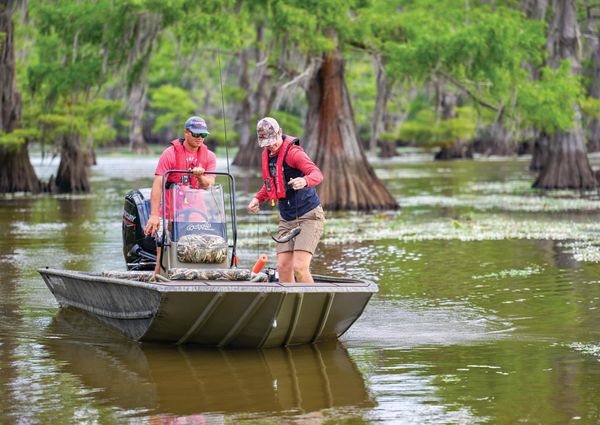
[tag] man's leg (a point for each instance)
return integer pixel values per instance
(301, 265)
(285, 267)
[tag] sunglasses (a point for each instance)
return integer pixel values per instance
(196, 135)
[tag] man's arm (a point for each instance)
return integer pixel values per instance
(312, 175)
(204, 180)
(155, 198)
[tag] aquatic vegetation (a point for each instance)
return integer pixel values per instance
(527, 271)
(588, 251)
(505, 202)
(589, 349)
(476, 227)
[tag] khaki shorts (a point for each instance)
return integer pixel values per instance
(311, 224)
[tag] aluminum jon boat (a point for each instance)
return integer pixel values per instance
(202, 297)
(214, 313)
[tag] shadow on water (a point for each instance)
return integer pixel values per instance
(155, 380)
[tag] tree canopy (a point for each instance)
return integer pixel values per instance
(424, 72)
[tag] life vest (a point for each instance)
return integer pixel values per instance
(186, 160)
(276, 189)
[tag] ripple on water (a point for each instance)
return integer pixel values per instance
(409, 323)
(368, 261)
(29, 230)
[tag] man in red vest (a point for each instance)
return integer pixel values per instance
(290, 177)
(187, 153)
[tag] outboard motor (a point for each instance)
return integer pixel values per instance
(139, 250)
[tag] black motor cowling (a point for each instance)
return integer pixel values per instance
(139, 250)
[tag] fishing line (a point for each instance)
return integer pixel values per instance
(234, 259)
(223, 108)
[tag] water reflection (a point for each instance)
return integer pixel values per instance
(481, 315)
(182, 381)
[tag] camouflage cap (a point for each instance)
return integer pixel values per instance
(267, 131)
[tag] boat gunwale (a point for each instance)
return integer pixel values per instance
(337, 285)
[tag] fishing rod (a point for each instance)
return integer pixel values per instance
(234, 258)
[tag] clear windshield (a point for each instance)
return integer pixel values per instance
(198, 212)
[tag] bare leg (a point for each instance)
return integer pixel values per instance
(285, 267)
(301, 265)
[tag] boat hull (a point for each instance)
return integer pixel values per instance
(215, 313)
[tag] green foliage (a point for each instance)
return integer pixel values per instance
(73, 51)
(290, 123)
(426, 129)
(86, 119)
(590, 107)
(473, 46)
(548, 103)
(174, 106)
(360, 80)
(18, 136)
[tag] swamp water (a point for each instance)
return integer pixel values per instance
(488, 310)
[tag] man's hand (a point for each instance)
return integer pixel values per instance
(205, 180)
(152, 225)
(198, 172)
(297, 183)
(253, 206)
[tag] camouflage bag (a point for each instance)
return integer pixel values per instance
(195, 249)
(211, 274)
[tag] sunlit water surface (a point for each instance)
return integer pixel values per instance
(488, 310)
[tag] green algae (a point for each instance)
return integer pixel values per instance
(525, 272)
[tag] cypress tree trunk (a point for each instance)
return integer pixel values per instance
(136, 103)
(248, 154)
(72, 175)
(593, 129)
(383, 94)
(497, 139)
(540, 152)
(567, 165)
(16, 173)
(144, 33)
(331, 140)
(460, 149)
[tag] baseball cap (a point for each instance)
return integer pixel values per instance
(196, 125)
(267, 130)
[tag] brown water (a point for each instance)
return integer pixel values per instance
(488, 311)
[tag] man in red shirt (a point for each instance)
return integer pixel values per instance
(187, 153)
